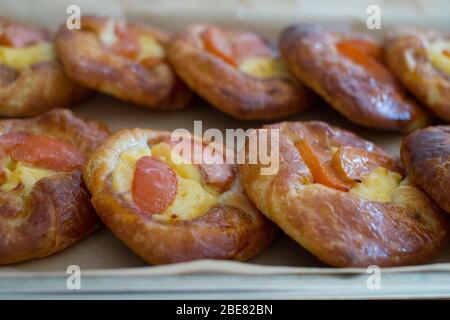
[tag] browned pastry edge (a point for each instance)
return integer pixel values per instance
(340, 228)
(233, 229)
(406, 55)
(312, 57)
(38, 88)
(58, 212)
(89, 63)
(229, 90)
(426, 156)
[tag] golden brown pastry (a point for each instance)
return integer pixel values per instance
(344, 199)
(126, 60)
(32, 81)
(426, 156)
(421, 60)
(239, 73)
(44, 206)
(167, 210)
(347, 70)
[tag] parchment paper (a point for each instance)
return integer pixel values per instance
(102, 253)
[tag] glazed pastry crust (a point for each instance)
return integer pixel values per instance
(426, 156)
(228, 89)
(312, 57)
(58, 212)
(38, 88)
(406, 55)
(340, 228)
(232, 229)
(88, 62)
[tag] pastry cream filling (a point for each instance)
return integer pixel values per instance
(122, 176)
(21, 58)
(378, 185)
(439, 55)
(263, 67)
(192, 199)
(150, 48)
(20, 175)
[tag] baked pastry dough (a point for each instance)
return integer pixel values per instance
(32, 81)
(426, 156)
(347, 70)
(343, 199)
(167, 210)
(421, 60)
(239, 73)
(126, 60)
(44, 205)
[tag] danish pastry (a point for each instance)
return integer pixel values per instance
(347, 70)
(421, 60)
(126, 60)
(426, 156)
(170, 206)
(32, 80)
(344, 199)
(239, 73)
(44, 206)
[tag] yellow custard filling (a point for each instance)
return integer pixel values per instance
(22, 177)
(192, 199)
(21, 58)
(378, 185)
(122, 176)
(263, 67)
(439, 55)
(149, 48)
